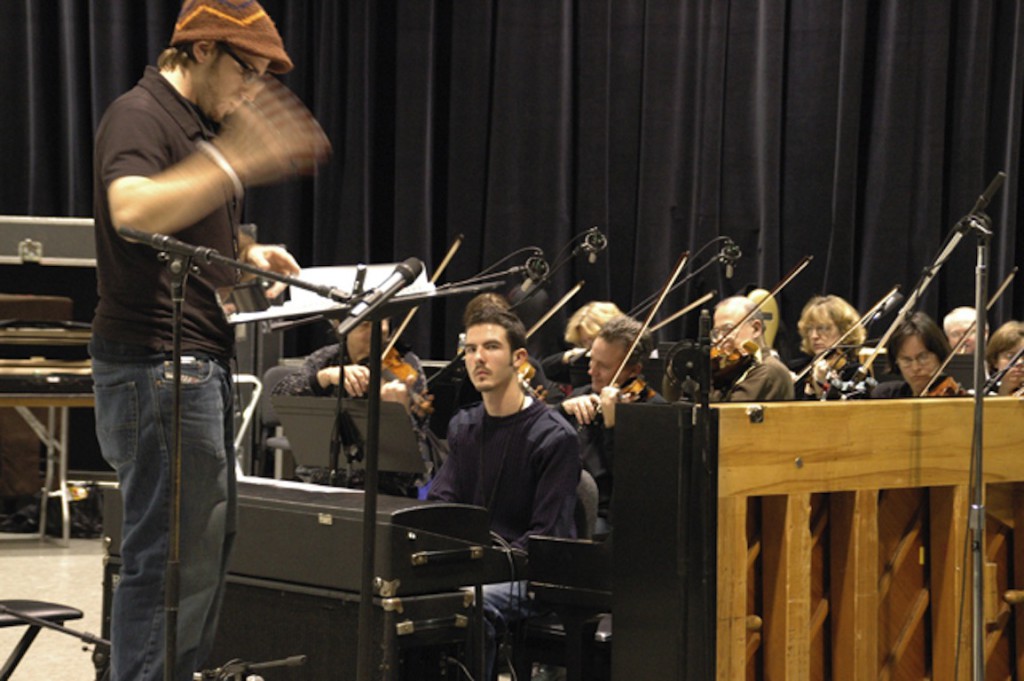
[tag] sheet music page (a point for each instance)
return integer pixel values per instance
(342, 277)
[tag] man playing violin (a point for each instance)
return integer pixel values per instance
(744, 368)
(580, 332)
(324, 370)
(956, 324)
(592, 406)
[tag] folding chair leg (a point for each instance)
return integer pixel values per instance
(19, 652)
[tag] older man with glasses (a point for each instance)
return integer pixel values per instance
(745, 370)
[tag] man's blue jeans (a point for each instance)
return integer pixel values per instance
(134, 408)
(505, 603)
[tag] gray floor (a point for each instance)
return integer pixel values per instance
(44, 571)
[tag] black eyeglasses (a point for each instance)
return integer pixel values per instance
(249, 74)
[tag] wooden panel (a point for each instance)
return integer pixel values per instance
(1017, 556)
(949, 576)
(787, 599)
(999, 642)
(864, 445)
(820, 642)
(903, 596)
(854, 584)
(732, 589)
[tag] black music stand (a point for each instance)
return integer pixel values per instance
(308, 422)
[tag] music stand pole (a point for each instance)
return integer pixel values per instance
(981, 224)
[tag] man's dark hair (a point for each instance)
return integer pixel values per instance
(489, 299)
(918, 324)
(622, 330)
(515, 332)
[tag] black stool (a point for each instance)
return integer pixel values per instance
(50, 612)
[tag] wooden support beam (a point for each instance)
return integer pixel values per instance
(786, 538)
(732, 590)
(950, 583)
(853, 573)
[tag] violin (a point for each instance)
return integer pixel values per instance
(947, 387)
(824, 372)
(398, 369)
(727, 366)
(526, 373)
(635, 390)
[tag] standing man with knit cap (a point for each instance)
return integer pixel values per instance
(173, 156)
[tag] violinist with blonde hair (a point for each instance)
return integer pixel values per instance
(823, 322)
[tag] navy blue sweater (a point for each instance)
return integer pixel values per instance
(523, 468)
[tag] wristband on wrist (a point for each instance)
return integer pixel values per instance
(215, 155)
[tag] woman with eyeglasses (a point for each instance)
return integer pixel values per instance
(1002, 347)
(916, 349)
(824, 321)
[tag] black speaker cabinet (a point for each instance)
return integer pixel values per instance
(414, 638)
(664, 555)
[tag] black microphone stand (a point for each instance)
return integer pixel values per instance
(237, 670)
(980, 223)
(179, 258)
(179, 266)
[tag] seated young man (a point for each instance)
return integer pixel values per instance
(510, 454)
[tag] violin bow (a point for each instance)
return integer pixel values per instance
(452, 250)
(860, 322)
(650, 315)
(679, 313)
(800, 267)
(555, 308)
(970, 329)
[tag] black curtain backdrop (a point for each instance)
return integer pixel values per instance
(857, 132)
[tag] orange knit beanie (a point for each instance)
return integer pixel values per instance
(240, 23)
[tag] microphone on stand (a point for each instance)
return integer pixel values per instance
(536, 270)
(168, 244)
(729, 255)
(405, 273)
(895, 299)
(990, 191)
(593, 243)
